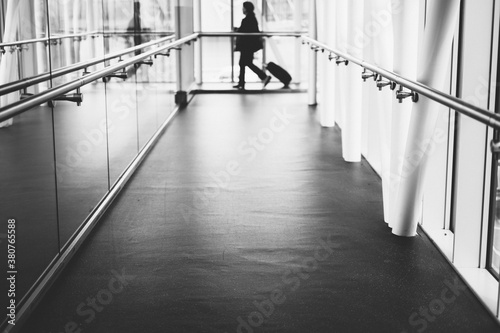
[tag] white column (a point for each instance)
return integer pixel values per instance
(351, 132)
(41, 50)
(297, 16)
(405, 16)
(90, 27)
(198, 45)
(432, 69)
(67, 43)
(379, 46)
(184, 57)
(313, 59)
(76, 29)
(340, 72)
(327, 34)
(370, 145)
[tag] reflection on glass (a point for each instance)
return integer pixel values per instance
(81, 151)
(121, 109)
(74, 37)
(165, 84)
(27, 167)
(59, 162)
(80, 131)
(28, 195)
(140, 27)
(121, 102)
(146, 103)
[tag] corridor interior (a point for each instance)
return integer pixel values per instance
(245, 218)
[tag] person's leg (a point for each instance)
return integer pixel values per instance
(256, 70)
(265, 78)
(244, 59)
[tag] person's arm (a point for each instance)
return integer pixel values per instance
(245, 25)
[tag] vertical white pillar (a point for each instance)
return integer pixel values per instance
(41, 50)
(370, 112)
(297, 15)
(76, 28)
(198, 45)
(184, 57)
(379, 43)
(313, 58)
(432, 69)
(66, 43)
(405, 16)
(326, 36)
(178, 22)
(351, 132)
(91, 27)
(340, 72)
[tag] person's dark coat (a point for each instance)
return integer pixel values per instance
(248, 43)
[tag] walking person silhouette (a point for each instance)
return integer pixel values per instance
(248, 45)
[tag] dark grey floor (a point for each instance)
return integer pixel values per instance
(245, 218)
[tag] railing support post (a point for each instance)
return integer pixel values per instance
(185, 57)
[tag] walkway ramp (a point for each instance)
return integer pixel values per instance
(245, 218)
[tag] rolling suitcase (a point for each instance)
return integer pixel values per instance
(280, 73)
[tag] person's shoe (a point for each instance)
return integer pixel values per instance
(266, 80)
(239, 87)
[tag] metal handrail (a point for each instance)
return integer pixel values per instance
(482, 115)
(46, 39)
(139, 32)
(262, 34)
(21, 106)
(27, 82)
(83, 34)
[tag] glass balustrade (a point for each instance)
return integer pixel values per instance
(61, 158)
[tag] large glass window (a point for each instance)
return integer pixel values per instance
(220, 62)
(494, 227)
(494, 241)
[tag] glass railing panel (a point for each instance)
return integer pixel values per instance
(80, 130)
(81, 153)
(121, 108)
(74, 37)
(69, 22)
(121, 99)
(164, 82)
(146, 102)
(27, 168)
(28, 197)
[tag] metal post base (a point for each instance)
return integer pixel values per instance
(181, 98)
